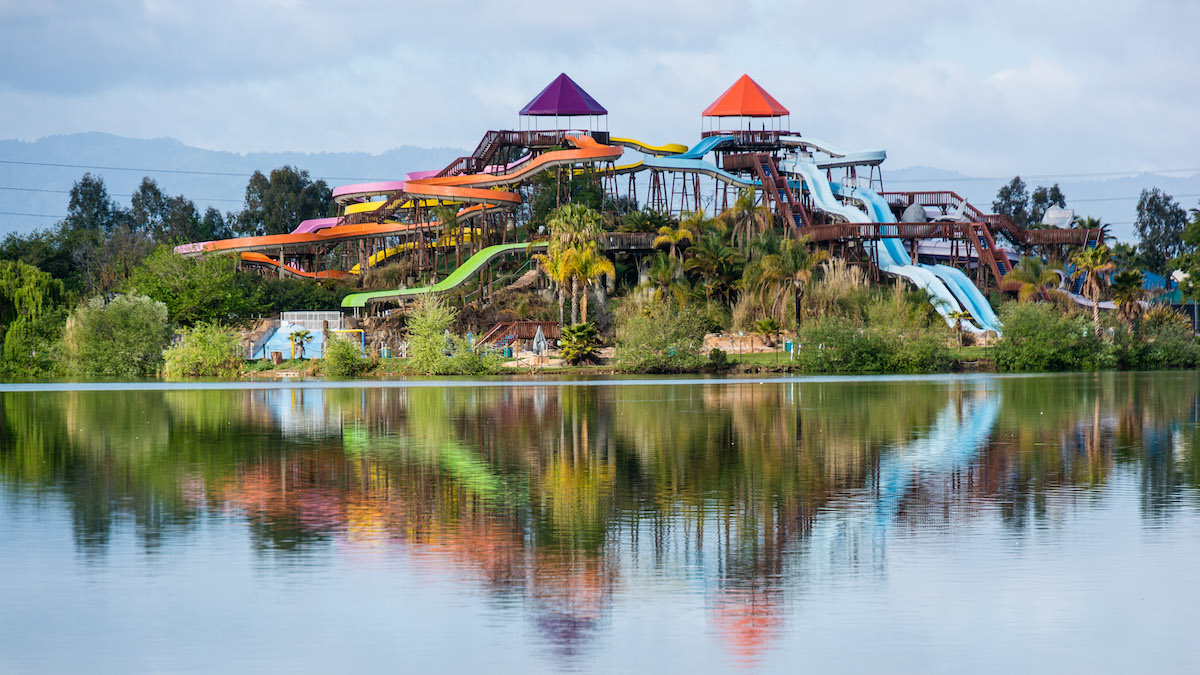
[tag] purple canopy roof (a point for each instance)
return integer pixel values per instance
(563, 97)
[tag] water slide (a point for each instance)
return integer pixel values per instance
(453, 280)
(969, 296)
(890, 255)
(480, 189)
(647, 149)
(260, 259)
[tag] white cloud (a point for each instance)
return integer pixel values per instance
(1023, 87)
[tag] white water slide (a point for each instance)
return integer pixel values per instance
(952, 292)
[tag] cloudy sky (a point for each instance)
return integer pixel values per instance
(1033, 87)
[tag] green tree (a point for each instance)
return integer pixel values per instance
(29, 322)
(747, 219)
(783, 268)
(1041, 200)
(196, 290)
(278, 203)
(1031, 278)
(586, 265)
(343, 358)
(1189, 259)
(1160, 225)
(663, 282)
(1012, 200)
(1128, 290)
(1094, 264)
(660, 337)
(205, 350)
(299, 339)
(717, 266)
(123, 338)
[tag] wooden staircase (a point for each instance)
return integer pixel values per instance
(778, 194)
(987, 252)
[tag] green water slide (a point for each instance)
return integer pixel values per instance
(453, 280)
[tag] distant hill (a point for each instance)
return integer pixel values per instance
(159, 158)
(43, 188)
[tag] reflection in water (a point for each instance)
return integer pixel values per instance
(559, 497)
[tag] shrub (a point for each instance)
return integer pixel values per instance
(1170, 345)
(717, 360)
(32, 346)
(432, 350)
(1037, 337)
(579, 344)
(205, 350)
(121, 338)
(343, 358)
(659, 338)
(838, 345)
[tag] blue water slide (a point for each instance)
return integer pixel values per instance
(967, 293)
(890, 255)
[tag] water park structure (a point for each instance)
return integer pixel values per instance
(483, 204)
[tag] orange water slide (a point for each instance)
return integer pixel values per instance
(260, 259)
(477, 189)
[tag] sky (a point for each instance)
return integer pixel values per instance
(993, 89)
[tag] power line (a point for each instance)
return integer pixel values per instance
(29, 215)
(146, 170)
(1043, 176)
(115, 194)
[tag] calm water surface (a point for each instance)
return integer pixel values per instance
(945, 525)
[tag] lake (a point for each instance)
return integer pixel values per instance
(943, 524)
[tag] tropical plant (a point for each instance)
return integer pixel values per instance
(299, 338)
(555, 267)
(669, 235)
(663, 281)
(586, 266)
(646, 220)
(773, 276)
(1031, 278)
(1094, 264)
(747, 219)
(1128, 290)
(580, 344)
(768, 327)
(959, 317)
(716, 265)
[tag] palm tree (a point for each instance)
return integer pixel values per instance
(586, 265)
(299, 338)
(789, 269)
(959, 316)
(574, 225)
(716, 265)
(747, 219)
(672, 236)
(555, 269)
(1128, 289)
(1090, 223)
(664, 282)
(1093, 264)
(1031, 278)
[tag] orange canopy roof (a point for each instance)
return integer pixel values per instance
(745, 99)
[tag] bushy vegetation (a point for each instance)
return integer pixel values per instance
(1038, 337)
(344, 358)
(659, 337)
(122, 338)
(433, 350)
(580, 344)
(205, 350)
(839, 345)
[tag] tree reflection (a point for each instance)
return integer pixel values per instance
(558, 495)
